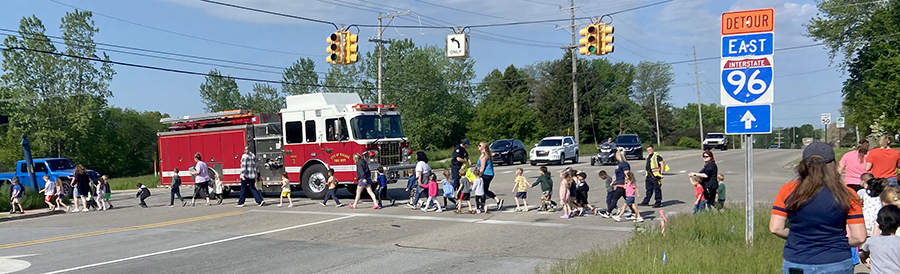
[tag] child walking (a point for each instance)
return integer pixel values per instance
(564, 184)
(15, 195)
(108, 193)
(219, 189)
(432, 195)
(49, 190)
(382, 186)
(60, 195)
(581, 194)
(175, 190)
(521, 190)
(699, 200)
(101, 194)
(331, 182)
(142, 193)
(546, 183)
(880, 252)
(463, 193)
(631, 192)
(285, 190)
(720, 193)
(448, 190)
(478, 188)
(871, 202)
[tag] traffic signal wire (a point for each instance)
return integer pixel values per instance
(182, 34)
(272, 13)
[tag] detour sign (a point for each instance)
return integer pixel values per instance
(748, 21)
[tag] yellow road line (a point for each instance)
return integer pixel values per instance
(82, 235)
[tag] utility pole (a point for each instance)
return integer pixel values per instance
(699, 103)
(574, 72)
(381, 43)
(656, 109)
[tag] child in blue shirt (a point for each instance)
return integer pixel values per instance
(382, 187)
(16, 195)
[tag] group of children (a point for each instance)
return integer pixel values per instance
(700, 200)
(54, 195)
(881, 212)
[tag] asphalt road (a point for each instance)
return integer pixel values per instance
(309, 238)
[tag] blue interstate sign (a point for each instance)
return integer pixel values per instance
(747, 45)
(748, 119)
(746, 85)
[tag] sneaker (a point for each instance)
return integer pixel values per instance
(639, 220)
(339, 205)
(321, 203)
(440, 210)
(207, 204)
(240, 205)
(86, 210)
(376, 207)
(279, 205)
(291, 205)
(477, 211)
(657, 205)
(392, 202)
(643, 204)
(171, 206)
(262, 203)
(630, 217)
(67, 208)
(110, 207)
(604, 215)
(182, 205)
(525, 209)
(424, 210)
(500, 204)
(564, 217)
(551, 210)
(617, 218)
(192, 203)
(517, 209)
(411, 206)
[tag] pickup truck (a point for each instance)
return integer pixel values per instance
(54, 167)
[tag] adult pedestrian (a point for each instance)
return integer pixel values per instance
(853, 164)
(459, 158)
(820, 209)
(422, 173)
(364, 181)
(201, 179)
(610, 142)
(883, 161)
(654, 168)
(485, 164)
(707, 177)
(248, 179)
(621, 171)
(81, 184)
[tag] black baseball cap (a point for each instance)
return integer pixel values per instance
(465, 142)
(819, 149)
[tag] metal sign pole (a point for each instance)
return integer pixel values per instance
(748, 170)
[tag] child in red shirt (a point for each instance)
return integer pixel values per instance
(699, 200)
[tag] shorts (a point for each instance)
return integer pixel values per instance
(547, 195)
(629, 200)
(364, 183)
(521, 195)
(465, 196)
(286, 194)
(48, 198)
(106, 196)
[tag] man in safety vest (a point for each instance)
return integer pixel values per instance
(655, 168)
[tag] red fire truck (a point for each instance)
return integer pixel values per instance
(314, 133)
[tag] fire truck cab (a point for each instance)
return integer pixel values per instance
(314, 133)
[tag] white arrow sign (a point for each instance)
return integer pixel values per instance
(748, 120)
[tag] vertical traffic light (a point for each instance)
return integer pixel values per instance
(335, 48)
(589, 40)
(351, 48)
(606, 39)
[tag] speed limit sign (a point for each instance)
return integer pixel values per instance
(826, 118)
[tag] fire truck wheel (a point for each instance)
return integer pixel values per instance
(313, 182)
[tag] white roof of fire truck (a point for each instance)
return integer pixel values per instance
(341, 101)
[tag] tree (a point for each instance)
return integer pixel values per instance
(220, 93)
(651, 92)
(300, 78)
(505, 111)
(264, 99)
(688, 120)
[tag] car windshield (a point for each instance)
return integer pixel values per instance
(627, 139)
(500, 144)
(376, 127)
(60, 164)
(715, 136)
(550, 143)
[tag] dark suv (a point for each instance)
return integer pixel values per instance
(508, 151)
(631, 143)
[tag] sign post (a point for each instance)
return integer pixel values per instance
(746, 87)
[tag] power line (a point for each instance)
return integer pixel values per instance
(271, 13)
(182, 34)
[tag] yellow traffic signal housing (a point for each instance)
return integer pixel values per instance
(606, 39)
(351, 48)
(589, 40)
(335, 48)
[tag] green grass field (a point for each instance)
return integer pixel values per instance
(702, 243)
(126, 183)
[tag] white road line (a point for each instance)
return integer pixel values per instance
(507, 172)
(526, 171)
(459, 220)
(682, 171)
(199, 245)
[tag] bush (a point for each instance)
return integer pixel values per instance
(688, 142)
(30, 200)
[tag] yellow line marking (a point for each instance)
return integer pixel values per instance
(82, 235)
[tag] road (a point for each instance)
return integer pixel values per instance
(309, 238)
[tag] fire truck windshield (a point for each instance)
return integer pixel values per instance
(376, 127)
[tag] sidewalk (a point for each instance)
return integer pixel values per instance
(33, 213)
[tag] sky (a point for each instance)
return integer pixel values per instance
(807, 83)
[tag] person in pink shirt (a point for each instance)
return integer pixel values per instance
(432, 187)
(630, 192)
(853, 164)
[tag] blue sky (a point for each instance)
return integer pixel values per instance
(805, 85)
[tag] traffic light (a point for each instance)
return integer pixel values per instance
(606, 39)
(335, 48)
(350, 49)
(589, 40)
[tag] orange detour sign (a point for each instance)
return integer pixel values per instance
(747, 21)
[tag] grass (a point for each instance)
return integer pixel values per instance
(702, 243)
(126, 183)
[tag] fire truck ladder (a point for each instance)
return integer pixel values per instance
(206, 116)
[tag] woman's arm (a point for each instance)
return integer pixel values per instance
(857, 234)
(841, 167)
(482, 163)
(776, 226)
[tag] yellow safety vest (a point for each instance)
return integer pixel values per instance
(654, 166)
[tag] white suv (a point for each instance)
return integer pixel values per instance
(715, 140)
(555, 149)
